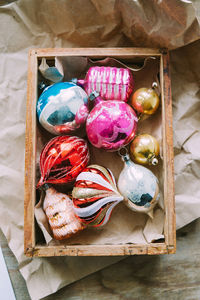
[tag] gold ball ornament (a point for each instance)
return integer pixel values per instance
(145, 149)
(145, 100)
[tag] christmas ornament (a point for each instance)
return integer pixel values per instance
(62, 159)
(111, 83)
(111, 124)
(62, 108)
(144, 149)
(60, 213)
(139, 186)
(95, 195)
(145, 100)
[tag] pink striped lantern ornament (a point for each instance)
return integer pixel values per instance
(110, 82)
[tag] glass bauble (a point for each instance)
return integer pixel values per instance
(59, 210)
(145, 101)
(110, 82)
(139, 186)
(111, 125)
(62, 108)
(95, 195)
(62, 159)
(144, 149)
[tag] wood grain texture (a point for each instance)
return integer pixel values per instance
(98, 250)
(96, 52)
(174, 277)
(30, 153)
(168, 154)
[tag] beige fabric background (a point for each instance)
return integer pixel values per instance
(48, 23)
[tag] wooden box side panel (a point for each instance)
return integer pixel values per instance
(99, 250)
(168, 154)
(30, 154)
(97, 52)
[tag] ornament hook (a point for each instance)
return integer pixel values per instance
(154, 85)
(123, 152)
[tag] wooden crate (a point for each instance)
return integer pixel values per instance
(31, 248)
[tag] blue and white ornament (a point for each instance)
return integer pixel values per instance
(139, 186)
(62, 108)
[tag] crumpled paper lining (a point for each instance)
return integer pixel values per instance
(124, 226)
(186, 122)
(28, 24)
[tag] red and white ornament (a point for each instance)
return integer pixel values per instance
(95, 195)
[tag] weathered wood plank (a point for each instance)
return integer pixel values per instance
(160, 277)
(171, 277)
(30, 153)
(96, 52)
(99, 250)
(168, 154)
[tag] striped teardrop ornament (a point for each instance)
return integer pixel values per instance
(62, 159)
(95, 195)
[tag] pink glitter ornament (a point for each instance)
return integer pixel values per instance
(110, 82)
(111, 124)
